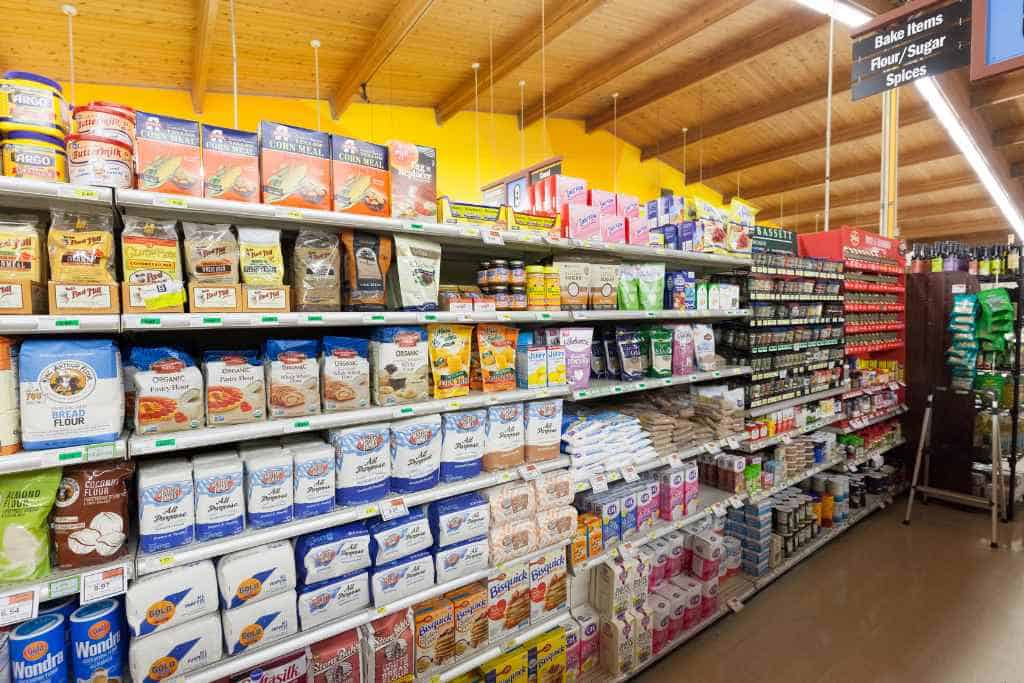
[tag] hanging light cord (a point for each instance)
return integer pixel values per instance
(316, 78)
(234, 60)
(71, 11)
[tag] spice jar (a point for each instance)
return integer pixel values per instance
(483, 274)
(499, 272)
(502, 299)
(536, 289)
(516, 274)
(552, 288)
(519, 298)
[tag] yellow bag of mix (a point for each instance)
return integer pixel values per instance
(448, 347)
(149, 251)
(81, 247)
(496, 347)
(260, 256)
(21, 249)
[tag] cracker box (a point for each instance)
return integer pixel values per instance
(295, 166)
(167, 155)
(231, 164)
(361, 180)
(546, 657)
(469, 606)
(413, 180)
(549, 585)
(434, 624)
(508, 601)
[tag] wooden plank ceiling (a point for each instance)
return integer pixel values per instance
(745, 78)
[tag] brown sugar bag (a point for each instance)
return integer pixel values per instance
(367, 259)
(89, 521)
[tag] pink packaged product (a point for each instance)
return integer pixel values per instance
(691, 487)
(675, 556)
(336, 659)
(562, 189)
(708, 597)
(576, 341)
(637, 231)
(661, 621)
(572, 650)
(603, 201)
(659, 564)
(388, 643)
(627, 206)
(671, 495)
(687, 540)
(590, 638)
(703, 568)
(646, 503)
(708, 546)
(613, 229)
(676, 598)
(683, 361)
(581, 222)
(692, 601)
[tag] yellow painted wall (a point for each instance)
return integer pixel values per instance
(585, 156)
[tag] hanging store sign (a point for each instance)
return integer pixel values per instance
(774, 240)
(914, 45)
(997, 40)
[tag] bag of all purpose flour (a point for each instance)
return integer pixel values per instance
(71, 392)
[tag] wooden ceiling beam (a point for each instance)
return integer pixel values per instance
(953, 230)
(813, 143)
(399, 23)
(749, 116)
(639, 52)
(924, 156)
(522, 48)
(998, 90)
(205, 30)
(772, 213)
(1011, 135)
(929, 211)
(790, 26)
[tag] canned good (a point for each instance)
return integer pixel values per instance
(517, 273)
(34, 155)
(100, 161)
(106, 120)
(536, 289)
(552, 288)
(28, 99)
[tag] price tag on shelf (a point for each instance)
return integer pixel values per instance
(19, 605)
(711, 448)
(373, 318)
(629, 473)
(171, 202)
(492, 237)
(294, 214)
(734, 604)
(736, 502)
(599, 482)
(528, 472)
(469, 232)
(393, 509)
(733, 442)
(103, 583)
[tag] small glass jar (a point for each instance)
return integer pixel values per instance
(519, 298)
(536, 289)
(516, 274)
(502, 298)
(483, 275)
(552, 288)
(499, 272)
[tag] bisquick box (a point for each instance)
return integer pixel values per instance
(459, 518)
(176, 651)
(332, 599)
(328, 554)
(402, 578)
(255, 574)
(455, 561)
(261, 622)
(394, 539)
(159, 601)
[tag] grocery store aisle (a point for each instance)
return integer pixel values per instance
(883, 602)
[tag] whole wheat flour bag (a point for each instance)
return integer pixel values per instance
(316, 272)
(293, 376)
(345, 373)
(89, 522)
(211, 254)
(25, 500)
(367, 259)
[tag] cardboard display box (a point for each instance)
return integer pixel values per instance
(22, 298)
(132, 297)
(264, 299)
(215, 298)
(78, 299)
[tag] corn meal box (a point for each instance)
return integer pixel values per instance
(167, 154)
(469, 606)
(362, 183)
(413, 180)
(231, 164)
(434, 624)
(508, 601)
(296, 166)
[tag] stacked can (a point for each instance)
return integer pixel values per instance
(102, 150)
(33, 127)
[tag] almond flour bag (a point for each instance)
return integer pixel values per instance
(26, 498)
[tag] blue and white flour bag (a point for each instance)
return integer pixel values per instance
(38, 653)
(330, 553)
(362, 463)
(462, 444)
(71, 392)
(98, 642)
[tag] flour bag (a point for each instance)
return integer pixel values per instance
(26, 499)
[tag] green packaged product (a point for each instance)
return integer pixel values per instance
(628, 291)
(25, 502)
(661, 352)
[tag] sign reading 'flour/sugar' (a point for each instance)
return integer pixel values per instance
(910, 46)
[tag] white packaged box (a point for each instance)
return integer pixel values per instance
(260, 623)
(157, 602)
(255, 574)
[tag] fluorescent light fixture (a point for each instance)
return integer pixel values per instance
(944, 112)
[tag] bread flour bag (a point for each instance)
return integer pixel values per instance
(362, 464)
(415, 453)
(168, 390)
(235, 391)
(399, 365)
(89, 522)
(71, 392)
(462, 444)
(292, 376)
(26, 499)
(345, 373)
(503, 444)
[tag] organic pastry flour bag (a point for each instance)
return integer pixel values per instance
(71, 392)
(168, 390)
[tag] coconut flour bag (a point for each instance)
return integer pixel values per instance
(71, 392)
(25, 500)
(89, 523)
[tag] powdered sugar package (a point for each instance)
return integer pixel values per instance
(462, 444)
(362, 463)
(415, 453)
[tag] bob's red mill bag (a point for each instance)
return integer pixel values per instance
(89, 522)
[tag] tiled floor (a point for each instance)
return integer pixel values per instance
(884, 602)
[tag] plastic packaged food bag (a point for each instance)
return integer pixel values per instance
(26, 498)
(211, 254)
(260, 254)
(81, 247)
(316, 271)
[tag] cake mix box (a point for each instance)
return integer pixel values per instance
(296, 166)
(231, 164)
(167, 155)
(361, 180)
(413, 180)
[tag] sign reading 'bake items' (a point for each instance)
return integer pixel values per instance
(911, 47)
